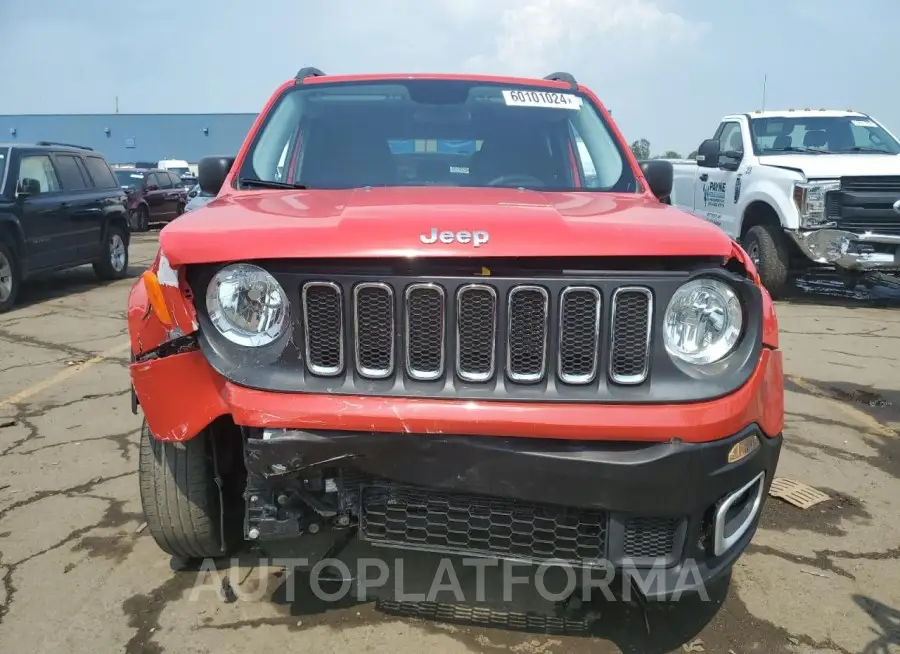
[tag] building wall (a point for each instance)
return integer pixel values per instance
(127, 138)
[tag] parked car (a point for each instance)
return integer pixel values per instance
(800, 190)
(530, 359)
(60, 207)
(154, 196)
(200, 198)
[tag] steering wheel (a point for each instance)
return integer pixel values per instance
(516, 180)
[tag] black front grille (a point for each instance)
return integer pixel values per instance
(530, 323)
(435, 521)
(865, 204)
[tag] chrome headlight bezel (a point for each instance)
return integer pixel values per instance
(228, 325)
(810, 199)
(732, 314)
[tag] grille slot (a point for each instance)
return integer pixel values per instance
(373, 304)
(579, 334)
(425, 327)
(526, 345)
(650, 538)
(455, 523)
(323, 328)
(632, 315)
(476, 332)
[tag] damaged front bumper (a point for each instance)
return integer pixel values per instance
(850, 250)
(665, 507)
(637, 487)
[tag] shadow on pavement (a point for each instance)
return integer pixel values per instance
(874, 290)
(53, 286)
(887, 621)
(450, 602)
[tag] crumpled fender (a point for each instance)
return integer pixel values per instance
(146, 331)
(770, 320)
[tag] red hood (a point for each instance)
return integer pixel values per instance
(387, 222)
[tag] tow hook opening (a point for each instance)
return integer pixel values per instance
(736, 514)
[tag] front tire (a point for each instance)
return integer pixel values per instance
(113, 261)
(768, 249)
(180, 497)
(10, 278)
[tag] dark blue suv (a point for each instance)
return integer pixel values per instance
(60, 207)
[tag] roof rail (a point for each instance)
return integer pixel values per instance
(569, 78)
(308, 71)
(67, 145)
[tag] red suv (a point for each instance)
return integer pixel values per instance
(154, 196)
(489, 352)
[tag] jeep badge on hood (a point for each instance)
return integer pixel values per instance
(476, 238)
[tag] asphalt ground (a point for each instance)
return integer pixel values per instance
(80, 575)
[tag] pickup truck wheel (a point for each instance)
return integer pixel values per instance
(113, 261)
(180, 497)
(768, 250)
(10, 278)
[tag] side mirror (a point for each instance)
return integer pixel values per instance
(660, 176)
(28, 187)
(212, 171)
(152, 187)
(708, 154)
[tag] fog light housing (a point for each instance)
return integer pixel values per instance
(743, 448)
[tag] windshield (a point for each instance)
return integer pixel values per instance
(821, 134)
(129, 179)
(178, 170)
(436, 133)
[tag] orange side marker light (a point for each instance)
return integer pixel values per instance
(157, 301)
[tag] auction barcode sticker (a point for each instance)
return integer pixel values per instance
(864, 123)
(548, 100)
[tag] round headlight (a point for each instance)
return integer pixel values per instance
(247, 305)
(703, 322)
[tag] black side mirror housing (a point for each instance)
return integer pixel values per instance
(708, 154)
(660, 176)
(28, 187)
(212, 171)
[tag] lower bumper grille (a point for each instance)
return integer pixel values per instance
(435, 521)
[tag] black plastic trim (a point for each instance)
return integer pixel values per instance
(667, 382)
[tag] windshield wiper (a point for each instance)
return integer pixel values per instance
(864, 149)
(264, 183)
(795, 148)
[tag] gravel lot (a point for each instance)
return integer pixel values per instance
(79, 575)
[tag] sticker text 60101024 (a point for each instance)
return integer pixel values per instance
(549, 100)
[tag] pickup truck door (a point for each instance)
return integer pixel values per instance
(717, 191)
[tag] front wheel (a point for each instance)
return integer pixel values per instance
(113, 261)
(768, 249)
(10, 278)
(180, 497)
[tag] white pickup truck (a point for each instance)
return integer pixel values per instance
(799, 190)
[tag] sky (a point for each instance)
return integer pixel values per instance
(667, 69)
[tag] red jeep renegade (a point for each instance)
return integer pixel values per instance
(453, 313)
